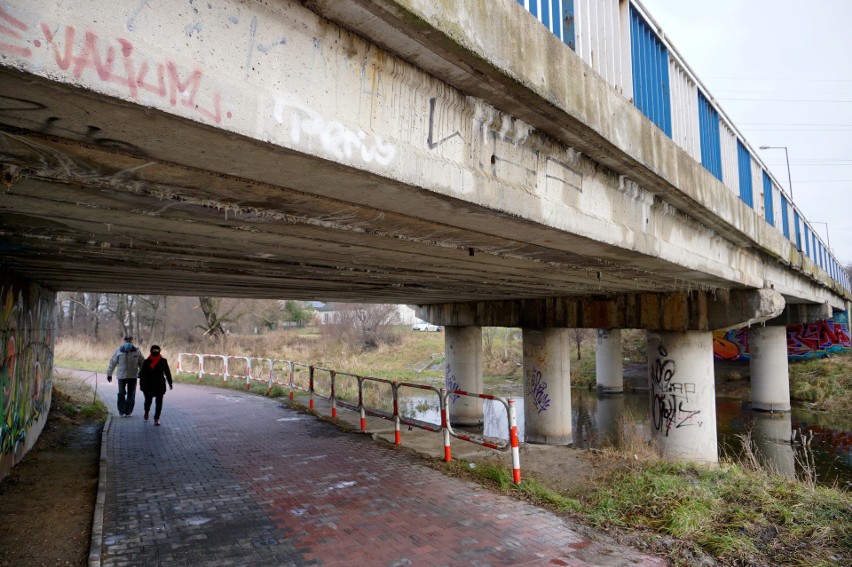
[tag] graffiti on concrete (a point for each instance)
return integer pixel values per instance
(804, 341)
(536, 391)
(335, 138)
(112, 61)
(26, 324)
(451, 383)
(670, 405)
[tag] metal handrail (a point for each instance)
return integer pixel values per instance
(444, 428)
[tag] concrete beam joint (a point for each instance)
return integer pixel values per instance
(681, 311)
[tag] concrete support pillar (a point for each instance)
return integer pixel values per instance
(608, 361)
(770, 376)
(463, 348)
(683, 395)
(547, 386)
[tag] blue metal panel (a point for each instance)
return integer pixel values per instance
(798, 224)
(744, 159)
(711, 146)
(550, 12)
(785, 217)
(768, 207)
(555, 8)
(650, 73)
(569, 36)
(808, 242)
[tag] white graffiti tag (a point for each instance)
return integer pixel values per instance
(335, 138)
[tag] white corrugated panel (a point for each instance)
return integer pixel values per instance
(757, 187)
(684, 96)
(599, 38)
(730, 163)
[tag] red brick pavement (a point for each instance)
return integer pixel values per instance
(236, 479)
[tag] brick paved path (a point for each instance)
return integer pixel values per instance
(236, 479)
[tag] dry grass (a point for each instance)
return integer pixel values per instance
(77, 396)
(83, 349)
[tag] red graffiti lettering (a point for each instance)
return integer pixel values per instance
(160, 88)
(14, 34)
(99, 58)
(62, 62)
(91, 57)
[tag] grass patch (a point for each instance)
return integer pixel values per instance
(738, 516)
(825, 384)
(499, 477)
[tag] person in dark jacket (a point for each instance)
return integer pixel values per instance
(152, 381)
(125, 362)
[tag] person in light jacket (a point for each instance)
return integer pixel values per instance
(126, 362)
(152, 381)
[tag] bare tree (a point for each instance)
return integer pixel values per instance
(580, 336)
(214, 320)
(370, 324)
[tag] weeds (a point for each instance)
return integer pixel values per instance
(824, 383)
(77, 397)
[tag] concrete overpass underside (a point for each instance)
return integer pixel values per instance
(103, 196)
(406, 191)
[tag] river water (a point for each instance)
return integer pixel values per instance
(776, 438)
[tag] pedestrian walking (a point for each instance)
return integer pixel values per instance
(152, 381)
(126, 362)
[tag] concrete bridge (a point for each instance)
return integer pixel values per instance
(546, 165)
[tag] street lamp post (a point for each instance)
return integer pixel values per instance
(827, 237)
(787, 159)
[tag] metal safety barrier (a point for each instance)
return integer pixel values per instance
(304, 377)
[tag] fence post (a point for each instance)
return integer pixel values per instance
(396, 434)
(513, 438)
(332, 373)
(311, 387)
(292, 378)
(445, 420)
(361, 404)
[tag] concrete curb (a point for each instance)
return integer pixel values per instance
(98, 516)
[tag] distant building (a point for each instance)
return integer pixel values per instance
(326, 312)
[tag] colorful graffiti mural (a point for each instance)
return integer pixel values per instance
(26, 352)
(804, 341)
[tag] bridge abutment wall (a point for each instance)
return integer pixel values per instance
(27, 323)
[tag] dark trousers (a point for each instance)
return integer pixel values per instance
(158, 405)
(126, 395)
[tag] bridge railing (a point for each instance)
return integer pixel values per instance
(325, 383)
(624, 44)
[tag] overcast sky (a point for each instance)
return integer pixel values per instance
(782, 71)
